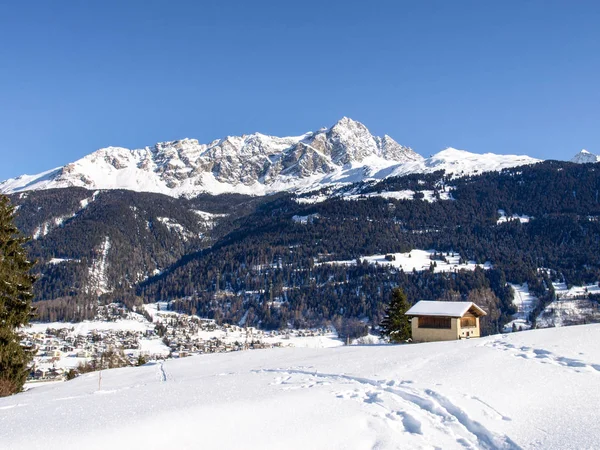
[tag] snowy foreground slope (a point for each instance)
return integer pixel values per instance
(535, 389)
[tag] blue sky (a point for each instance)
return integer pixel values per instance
(505, 77)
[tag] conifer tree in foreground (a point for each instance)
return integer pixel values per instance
(395, 325)
(16, 293)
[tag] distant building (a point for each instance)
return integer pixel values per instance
(444, 321)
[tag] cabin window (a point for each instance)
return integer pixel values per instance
(468, 322)
(444, 323)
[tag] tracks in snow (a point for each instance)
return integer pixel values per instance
(427, 415)
(543, 356)
(161, 373)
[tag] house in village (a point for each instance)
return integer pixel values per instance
(444, 321)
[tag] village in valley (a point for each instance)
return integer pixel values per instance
(118, 337)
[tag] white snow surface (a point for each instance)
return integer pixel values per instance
(534, 389)
(257, 164)
(87, 326)
(428, 195)
(504, 218)
(154, 346)
(419, 260)
(436, 308)
(54, 261)
(461, 162)
(564, 292)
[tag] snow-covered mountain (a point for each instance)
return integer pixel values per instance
(257, 164)
(584, 157)
(461, 162)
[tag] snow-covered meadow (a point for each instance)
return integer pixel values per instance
(420, 260)
(535, 389)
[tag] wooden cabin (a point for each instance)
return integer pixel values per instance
(444, 321)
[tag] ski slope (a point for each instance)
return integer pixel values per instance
(534, 389)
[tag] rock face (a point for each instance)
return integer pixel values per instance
(584, 157)
(251, 164)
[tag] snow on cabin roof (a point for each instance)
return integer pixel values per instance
(446, 309)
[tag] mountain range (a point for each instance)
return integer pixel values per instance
(188, 223)
(258, 164)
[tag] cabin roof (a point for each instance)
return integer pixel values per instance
(445, 309)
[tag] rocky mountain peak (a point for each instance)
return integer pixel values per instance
(349, 141)
(393, 151)
(254, 164)
(584, 157)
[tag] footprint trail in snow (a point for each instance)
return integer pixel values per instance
(424, 413)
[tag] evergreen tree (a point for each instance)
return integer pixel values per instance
(395, 325)
(15, 302)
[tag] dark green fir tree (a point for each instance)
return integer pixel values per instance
(395, 326)
(16, 294)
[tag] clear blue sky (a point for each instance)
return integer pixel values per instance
(505, 76)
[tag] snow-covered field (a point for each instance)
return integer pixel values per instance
(419, 260)
(428, 196)
(87, 326)
(535, 389)
(504, 218)
(564, 292)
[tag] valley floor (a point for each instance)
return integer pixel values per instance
(534, 389)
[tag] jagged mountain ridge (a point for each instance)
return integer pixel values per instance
(257, 164)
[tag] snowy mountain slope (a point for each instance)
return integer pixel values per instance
(256, 164)
(535, 389)
(461, 162)
(584, 157)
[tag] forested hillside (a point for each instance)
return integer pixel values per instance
(271, 260)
